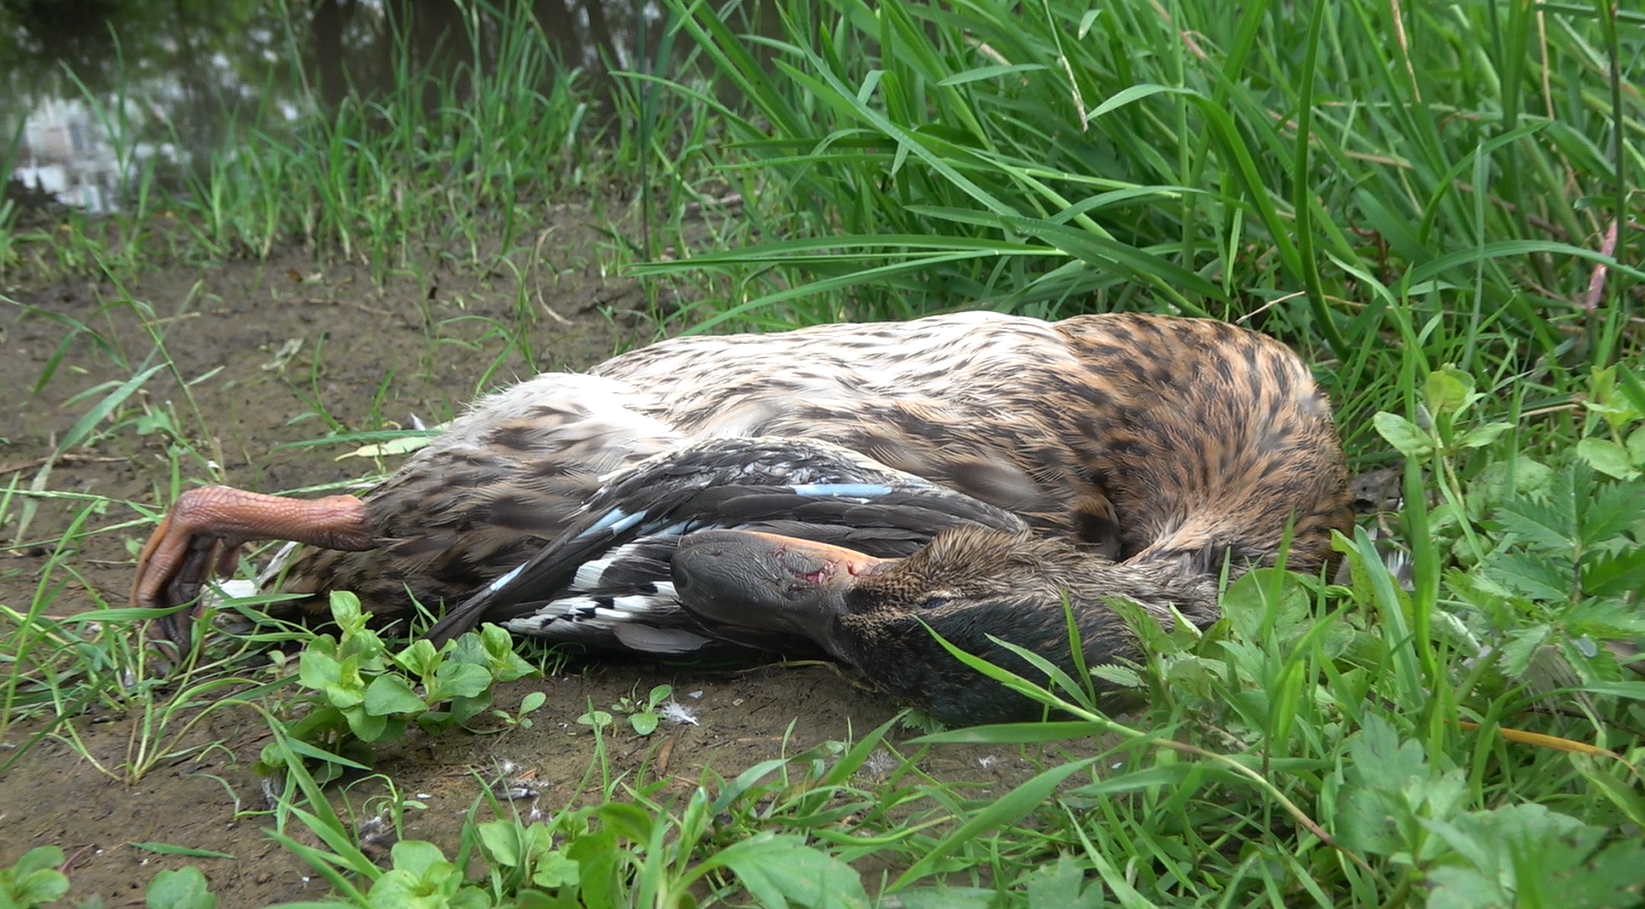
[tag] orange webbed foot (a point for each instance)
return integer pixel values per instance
(202, 534)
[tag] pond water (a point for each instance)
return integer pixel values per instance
(94, 89)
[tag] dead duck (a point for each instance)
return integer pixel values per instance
(969, 585)
(604, 582)
(1140, 437)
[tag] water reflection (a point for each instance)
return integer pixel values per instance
(64, 156)
(95, 87)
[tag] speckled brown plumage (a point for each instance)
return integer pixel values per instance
(1143, 437)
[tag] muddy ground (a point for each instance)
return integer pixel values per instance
(369, 357)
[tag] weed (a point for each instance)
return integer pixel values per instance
(362, 695)
(35, 880)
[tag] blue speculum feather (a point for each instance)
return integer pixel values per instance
(614, 521)
(842, 490)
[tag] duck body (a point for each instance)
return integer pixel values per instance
(605, 582)
(1141, 438)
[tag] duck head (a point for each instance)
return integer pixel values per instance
(967, 585)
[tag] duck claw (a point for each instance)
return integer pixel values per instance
(202, 535)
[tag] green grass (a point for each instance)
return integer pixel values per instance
(1440, 210)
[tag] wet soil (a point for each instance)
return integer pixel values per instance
(277, 354)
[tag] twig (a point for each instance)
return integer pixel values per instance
(1596, 280)
(61, 459)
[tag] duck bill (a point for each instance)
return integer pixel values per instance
(768, 582)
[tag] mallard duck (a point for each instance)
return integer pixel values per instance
(604, 582)
(969, 584)
(1139, 437)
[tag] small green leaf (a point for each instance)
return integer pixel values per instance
(184, 888)
(1447, 390)
(501, 841)
(644, 723)
(366, 727)
(779, 870)
(460, 680)
(1404, 435)
(316, 669)
(420, 659)
(1116, 675)
(345, 611)
(502, 660)
(658, 695)
(35, 880)
(1607, 457)
(555, 870)
(1636, 447)
(532, 702)
(1481, 436)
(389, 694)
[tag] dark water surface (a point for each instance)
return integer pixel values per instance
(92, 89)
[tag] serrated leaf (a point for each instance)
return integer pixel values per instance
(1539, 524)
(1116, 675)
(1061, 886)
(1526, 850)
(1380, 761)
(1405, 436)
(1521, 648)
(1536, 576)
(1615, 574)
(1610, 511)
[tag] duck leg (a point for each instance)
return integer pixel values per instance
(203, 533)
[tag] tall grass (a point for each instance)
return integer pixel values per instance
(1317, 164)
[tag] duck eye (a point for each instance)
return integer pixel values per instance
(936, 602)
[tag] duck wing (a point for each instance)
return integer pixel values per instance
(605, 581)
